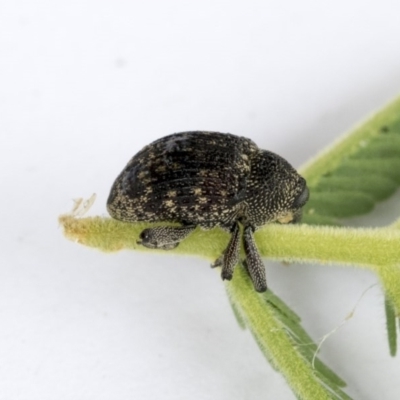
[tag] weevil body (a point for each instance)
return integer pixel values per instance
(208, 179)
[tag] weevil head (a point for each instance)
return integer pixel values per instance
(275, 191)
(292, 208)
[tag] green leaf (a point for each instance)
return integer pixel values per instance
(285, 344)
(357, 171)
(391, 326)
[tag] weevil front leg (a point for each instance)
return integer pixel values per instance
(254, 263)
(164, 237)
(230, 257)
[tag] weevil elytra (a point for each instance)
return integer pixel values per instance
(208, 179)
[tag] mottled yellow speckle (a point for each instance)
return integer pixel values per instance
(285, 218)
(169, 203)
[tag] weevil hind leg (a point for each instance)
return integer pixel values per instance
(230, 257)
(254, 263)
(164, 237)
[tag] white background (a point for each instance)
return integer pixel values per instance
(86, 84)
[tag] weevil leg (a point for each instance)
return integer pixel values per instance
(255, 265)
(164, 237)
(230, 257)
(231, 254)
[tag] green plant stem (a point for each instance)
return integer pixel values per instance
(375, 249)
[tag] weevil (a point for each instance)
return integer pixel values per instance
(208, 179)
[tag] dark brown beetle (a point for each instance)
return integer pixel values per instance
(208, 179)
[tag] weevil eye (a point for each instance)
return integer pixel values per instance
(302, 198)
(144, 235)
